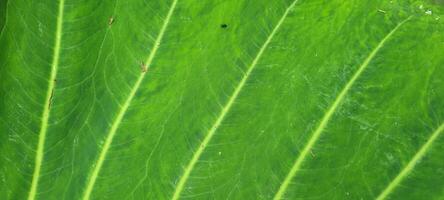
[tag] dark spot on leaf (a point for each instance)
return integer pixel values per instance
(224, 26)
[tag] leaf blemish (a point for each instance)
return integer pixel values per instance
(50, 98)
(52, 95)
(143, 67)
(312, 154)
(111, 21)
(224, 26)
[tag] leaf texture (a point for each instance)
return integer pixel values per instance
(223, 99)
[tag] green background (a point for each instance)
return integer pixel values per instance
(390, 112)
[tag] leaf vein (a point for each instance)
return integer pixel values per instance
(411, 165)
(326, 118)
(209, 135)
(47, 105)
(117, 121)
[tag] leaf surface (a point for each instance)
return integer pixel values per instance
(224, 99)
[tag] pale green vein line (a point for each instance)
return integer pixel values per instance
(6, 19)
(116, 123)
(47, 105)
(325, 119)
(409, 167)
(209, 135)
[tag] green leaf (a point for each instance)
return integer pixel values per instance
(2, 15)
(223, 99)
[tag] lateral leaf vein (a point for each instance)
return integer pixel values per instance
(411, 165)
(117, 121)
(326, 118)
(47, 105)
(209, 135)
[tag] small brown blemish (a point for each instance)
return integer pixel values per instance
(50, 98)
(111, 21)
(143, 67)
(52, 95)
